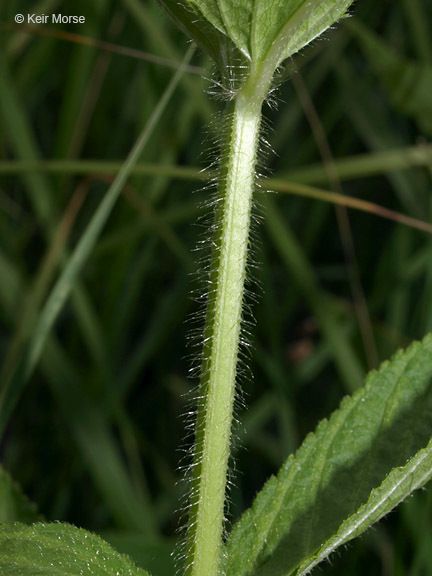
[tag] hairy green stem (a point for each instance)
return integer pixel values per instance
(221, 338)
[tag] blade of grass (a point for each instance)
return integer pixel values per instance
(157, 35)
(127, 234)
(167, 235)
(16, 126)
(9, 284)
(349, 202)
(96, 442)
(381, 163)
(351, 168)
(129, 300)
(81, 63)
(420, 26)
(103, 460)
(12, 389)
(19, 41)
(20, 132)
(165, 316)
(375, 163)
(374, 125)
(345, 232)
(94, 43)
(350, 369)
(92, 91)
(42, 282)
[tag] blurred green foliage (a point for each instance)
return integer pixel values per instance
(96, 434)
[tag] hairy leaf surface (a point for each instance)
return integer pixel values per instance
(322, 497)
(264, 31)
(281, 28)
(59, 550)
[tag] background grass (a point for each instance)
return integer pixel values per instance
(95, 436)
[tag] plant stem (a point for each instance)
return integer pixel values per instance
(221, 338)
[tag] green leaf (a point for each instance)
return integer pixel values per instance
(408, 84)
(14, 505)
(346, 475)
(281, 28)
(237, 18)
(201, 30)
(395, 488)
(210, 9)
(59, 550)
(266, 32)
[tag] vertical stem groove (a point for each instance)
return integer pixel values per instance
(221, 341)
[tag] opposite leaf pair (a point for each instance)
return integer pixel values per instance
(261, 33)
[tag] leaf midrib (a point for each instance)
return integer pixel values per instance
(416, 461)
(254, 34)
